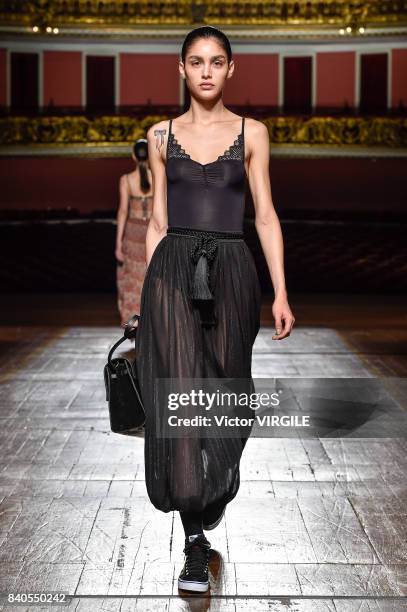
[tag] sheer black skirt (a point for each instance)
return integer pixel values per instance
(187, 474)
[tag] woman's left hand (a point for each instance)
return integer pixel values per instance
(134, 324)
(283, 317)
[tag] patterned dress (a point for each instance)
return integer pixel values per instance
(130, 274)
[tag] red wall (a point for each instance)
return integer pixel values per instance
(145, 76)
(62, 78)
(254, 81)
(156, 77)
(399, 77)
(335, 78)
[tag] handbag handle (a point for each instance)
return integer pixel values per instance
(129, 334)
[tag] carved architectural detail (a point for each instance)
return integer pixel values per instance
(114, 130)
(297, 13)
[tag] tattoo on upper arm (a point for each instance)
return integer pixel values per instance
(159, 141)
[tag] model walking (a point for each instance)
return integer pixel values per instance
(132, 219)
(201, 298)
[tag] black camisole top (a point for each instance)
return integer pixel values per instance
(206, 196)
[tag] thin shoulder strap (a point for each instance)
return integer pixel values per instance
(243, 153)
(168, 138)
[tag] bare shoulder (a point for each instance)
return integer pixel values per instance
(256, 138)
(157, 135)
(159, 126)
(255, 129)
(123, 181)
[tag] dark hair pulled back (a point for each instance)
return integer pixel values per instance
(206, 32)
(140, 150)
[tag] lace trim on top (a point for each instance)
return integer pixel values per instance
(175, 149)
(235, 151)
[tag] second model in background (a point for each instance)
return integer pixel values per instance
(132, 219)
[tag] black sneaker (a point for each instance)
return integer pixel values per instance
(194, 574)
(212, 515)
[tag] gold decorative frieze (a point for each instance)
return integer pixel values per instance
(339, 131)
(43, 14)
(118, 130)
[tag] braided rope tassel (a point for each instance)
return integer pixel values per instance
(202, 253)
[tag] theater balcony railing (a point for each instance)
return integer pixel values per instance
(107, 134)
(125, 14)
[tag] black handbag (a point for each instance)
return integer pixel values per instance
(126, 410)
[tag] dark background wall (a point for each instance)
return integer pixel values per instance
(343, 220)
(367, 185)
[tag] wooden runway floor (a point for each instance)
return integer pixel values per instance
(318, 525)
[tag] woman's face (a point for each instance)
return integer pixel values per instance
(206, 68)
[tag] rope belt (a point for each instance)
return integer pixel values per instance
(202, 252)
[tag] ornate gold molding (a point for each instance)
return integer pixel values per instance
(339, 131)
(105, 131)
(126, 13)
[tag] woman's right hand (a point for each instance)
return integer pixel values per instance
(119, 253)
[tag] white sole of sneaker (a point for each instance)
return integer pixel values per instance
(215, 524)
(187, 585)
